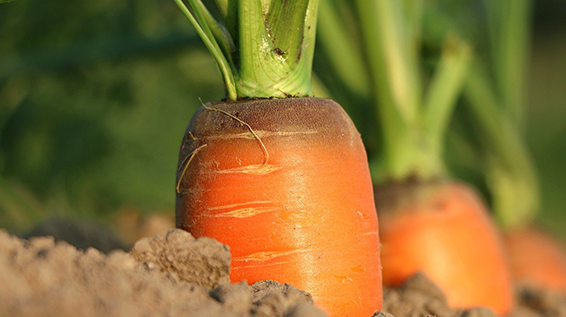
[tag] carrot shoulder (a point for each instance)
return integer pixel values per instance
(285, 183)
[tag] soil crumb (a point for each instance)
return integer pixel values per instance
(204, 262)
(174, 275)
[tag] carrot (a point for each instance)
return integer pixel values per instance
(298, 216)
(431, 224)
(284, 182)
(536, 259)
(443, 230)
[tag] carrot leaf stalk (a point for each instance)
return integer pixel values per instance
(345, 56)
(280, 65)
(414, 117)
(495, 94)
(511, 174)
(509, 26)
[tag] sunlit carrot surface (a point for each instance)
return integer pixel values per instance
(296, 208)
(443, 230)
(536, 258)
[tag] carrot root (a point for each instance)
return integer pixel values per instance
(443, 230)
(306, 216)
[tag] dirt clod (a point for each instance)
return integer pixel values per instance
(305, 310)
(416, 297)
(274, 299)
(204, 262)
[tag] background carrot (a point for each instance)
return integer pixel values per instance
(427, 222)
(443, 230)
(536, 259)
(284, 182)
(495, 99)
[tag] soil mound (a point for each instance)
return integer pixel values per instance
(419, 297)
(175, 275)
(178, 275)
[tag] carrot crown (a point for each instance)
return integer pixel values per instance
(263, 48)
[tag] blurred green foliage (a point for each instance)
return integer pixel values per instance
(94, 100)
(95, 97)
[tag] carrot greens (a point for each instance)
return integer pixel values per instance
(263, 48)
(414, 115)
(495, 95)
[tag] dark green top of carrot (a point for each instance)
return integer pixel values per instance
(263, 48)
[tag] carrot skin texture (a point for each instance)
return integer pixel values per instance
(443, 230)
(536, 259)
(305, 217)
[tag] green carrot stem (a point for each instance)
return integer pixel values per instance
(443, 92)
(229, 11)
(509, 24)
(414, 124)
(342, 51)
(210, 43)
(512, 177)
(266, 48)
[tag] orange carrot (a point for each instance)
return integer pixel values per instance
(536, 258)
(285, 183)
(443, 230)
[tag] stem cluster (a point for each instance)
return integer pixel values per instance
(263, 48)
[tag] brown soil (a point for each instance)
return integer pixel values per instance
(177, 275)
(420, 297)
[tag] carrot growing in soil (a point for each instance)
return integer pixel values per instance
(280, 177)
(497, 105)
(428, 222)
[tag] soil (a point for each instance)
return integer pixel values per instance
(177, 275)
(420, 297)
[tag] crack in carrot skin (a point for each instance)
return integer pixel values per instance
(268, 255)
(245, 212)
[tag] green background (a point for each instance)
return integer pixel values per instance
(96, 95)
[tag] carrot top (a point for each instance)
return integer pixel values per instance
(412, 107)
(495, 95)
(263, 48)
(413, 110)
